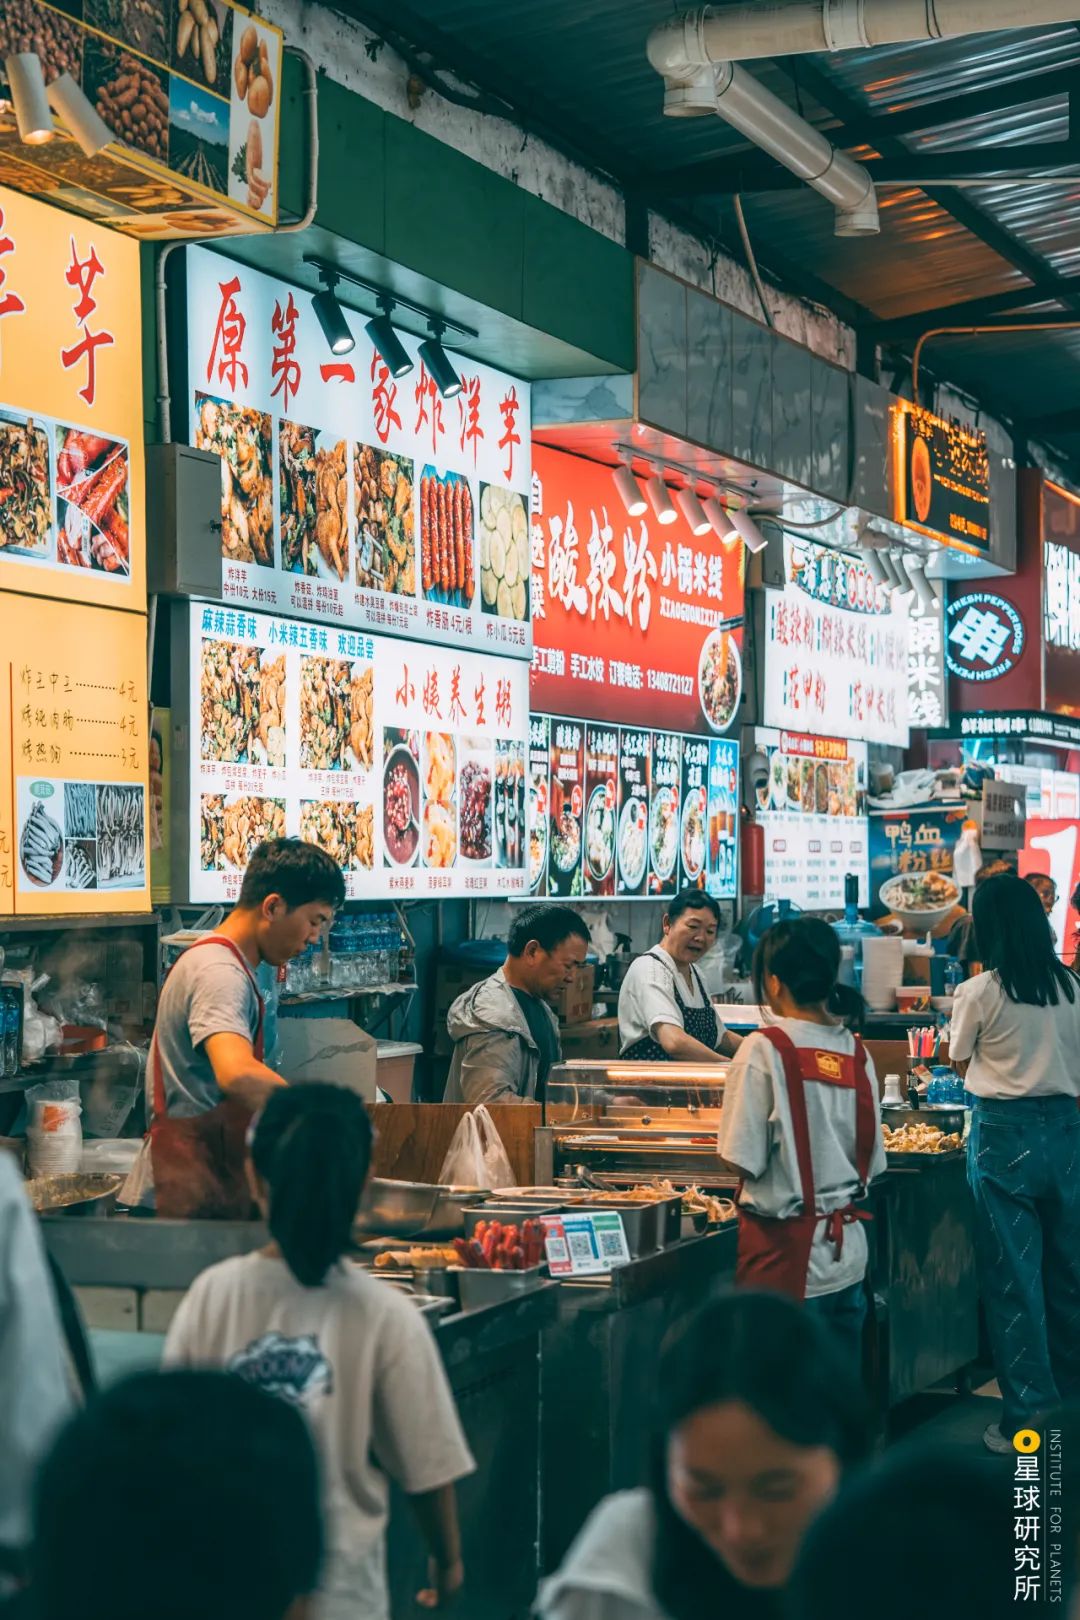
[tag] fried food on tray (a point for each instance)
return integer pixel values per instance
(920, 1138)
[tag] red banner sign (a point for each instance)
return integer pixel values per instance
(630, 618)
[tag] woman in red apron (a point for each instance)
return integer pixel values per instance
(206, 1072)
(801, 1125)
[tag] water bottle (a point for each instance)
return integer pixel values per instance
(9, 1066)
(339, 961)
(954, 976)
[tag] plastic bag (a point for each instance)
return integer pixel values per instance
(138, 1190)
(54, 1129)
(476, 1156)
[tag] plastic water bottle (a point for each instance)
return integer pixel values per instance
(954, 976)
(9, 1061)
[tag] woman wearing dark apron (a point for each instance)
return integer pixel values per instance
(665, 1014)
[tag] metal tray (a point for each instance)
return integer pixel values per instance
(648, 1227)
(508, 1214)
(898, 1160)
(478, 1288)
(75, 1195)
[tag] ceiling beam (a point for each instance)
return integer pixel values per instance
(836, 100)
(1056, 422)
(757, 172)
(972, 312)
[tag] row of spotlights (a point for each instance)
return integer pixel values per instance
(700, 516)
(338, 334)
(35, 102)
(903, 574)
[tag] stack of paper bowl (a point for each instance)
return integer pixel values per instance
(882, 971)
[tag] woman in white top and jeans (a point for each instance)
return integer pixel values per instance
(1016, 1037)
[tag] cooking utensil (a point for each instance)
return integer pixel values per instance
(75, 1194)
(395, 1208)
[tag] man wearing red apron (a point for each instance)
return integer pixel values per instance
(800, 1122)
(206, 1073)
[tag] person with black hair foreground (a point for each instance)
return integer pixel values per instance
(884, 1513)
(1016, 1039)
(758, 1420)
(505, 1035)
(178, 1495)
(206, 1072)
(664, 1009)
(351, 1352)
(801, 1124)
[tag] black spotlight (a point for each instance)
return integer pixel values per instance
(331, 316)
(381, 332)
(439, 363)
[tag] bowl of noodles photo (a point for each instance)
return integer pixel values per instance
(921, 900)
(720, 679)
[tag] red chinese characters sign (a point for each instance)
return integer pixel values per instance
(629, 617)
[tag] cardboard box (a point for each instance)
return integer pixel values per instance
(574, 1001)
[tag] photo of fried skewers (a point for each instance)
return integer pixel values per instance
(345, 831)
(92, 501)
(243, 438)
(446, 538)
(25, 496)
(296, 495)
(385, 526)
(332, 507)
(231, 827)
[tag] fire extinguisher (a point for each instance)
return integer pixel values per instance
(752, 854)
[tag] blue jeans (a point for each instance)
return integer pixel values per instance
(842, 1315)
(1024, 1172)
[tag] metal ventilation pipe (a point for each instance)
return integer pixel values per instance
(742, 33)
(695, 53)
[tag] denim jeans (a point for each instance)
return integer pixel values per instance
(842, 1315)
(1024, 1172)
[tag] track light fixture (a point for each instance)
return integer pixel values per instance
(381, 332)
(79, 117)
(905, 590)
(916, 573)
(870, 558)
(438, 362)
(657, 492)
(748, 531)
(720, 520)
(331, 316)
(27, 84)
(629, 490)
(693, 511)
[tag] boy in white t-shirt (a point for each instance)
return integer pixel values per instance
(352, 1352)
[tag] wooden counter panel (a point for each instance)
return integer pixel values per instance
(412, 1139)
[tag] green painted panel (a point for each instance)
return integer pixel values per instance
(579, 285)
(351, 162)
(451, 219)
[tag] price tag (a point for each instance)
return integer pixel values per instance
(584, 1244)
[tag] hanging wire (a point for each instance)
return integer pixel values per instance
(751, 261)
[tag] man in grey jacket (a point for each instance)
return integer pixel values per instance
(505, 1035)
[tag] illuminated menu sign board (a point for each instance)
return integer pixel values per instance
(812, 807)
(348, 496)
(73, 759)
(629, 812)
(941, 478)
(407, 763)
(630, 617)
(71, 409)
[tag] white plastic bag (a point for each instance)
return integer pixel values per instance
(476, 1156)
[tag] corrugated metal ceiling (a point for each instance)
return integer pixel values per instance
(580, 71)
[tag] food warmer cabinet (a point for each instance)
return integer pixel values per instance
(615, 1124)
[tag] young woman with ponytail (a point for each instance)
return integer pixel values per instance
(801, 1124)
(353, 1353)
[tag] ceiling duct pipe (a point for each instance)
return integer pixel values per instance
(697, 51)
(681, 48)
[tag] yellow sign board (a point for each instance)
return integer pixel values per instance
(74, 805)
(71, 415)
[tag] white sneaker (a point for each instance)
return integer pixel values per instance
(995, 1441)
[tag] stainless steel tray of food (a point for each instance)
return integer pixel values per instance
(74, 1195)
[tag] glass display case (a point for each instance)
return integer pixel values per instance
(625, 1122)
